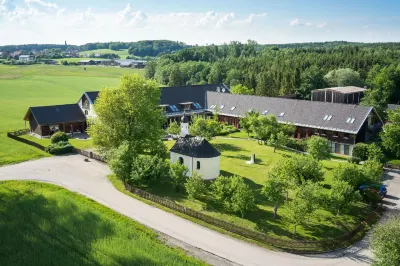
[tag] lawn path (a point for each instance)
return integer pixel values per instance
(90, 179)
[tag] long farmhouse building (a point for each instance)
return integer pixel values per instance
(342, 124)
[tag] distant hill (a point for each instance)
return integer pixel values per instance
(149, 48)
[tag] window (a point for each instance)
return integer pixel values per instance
(212, 106)
(197, 105)
(325, 117)
(348, 120)
(329, 118)
(180, 160)
(265, 112)
(174, 108)
(221, 107)
(352, 120)
(342, 148)
(281, 114)
(198, 165)
(233, 108)
(346, 149)
(86, 112)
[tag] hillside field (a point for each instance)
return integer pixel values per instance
(123, 53)
(36, 85)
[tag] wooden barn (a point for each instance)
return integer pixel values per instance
(45, 120)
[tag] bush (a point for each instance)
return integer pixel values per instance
(318, 147)
(353, 159)
(300, 145)
(195, 186)
(360, 150)
(227, 129)
(58, 136)
(60, 147)
(146, 168)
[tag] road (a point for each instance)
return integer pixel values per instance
(90, 179)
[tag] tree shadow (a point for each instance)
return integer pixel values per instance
(41, 231)
(227, 147)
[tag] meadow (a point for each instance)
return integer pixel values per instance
(37, 85)
(43, 224)
(123, 53)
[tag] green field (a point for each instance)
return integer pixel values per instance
(37, 85)
(43, 224)
(123, 53)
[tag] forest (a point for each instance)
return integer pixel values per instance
(275, 70)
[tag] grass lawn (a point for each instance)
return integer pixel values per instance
(36, 85)
(43, 224)
(77, 143)
(235, 153)
(123, 53)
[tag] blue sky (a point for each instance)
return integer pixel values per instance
(198, 22)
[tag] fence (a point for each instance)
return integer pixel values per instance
(299, 246)
(15, 135)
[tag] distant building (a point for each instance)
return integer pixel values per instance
(26, 58)
(347, 95)
(131, 63)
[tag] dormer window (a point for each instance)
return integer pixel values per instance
(174, 108)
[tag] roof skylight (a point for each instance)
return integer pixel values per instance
(222, 107)
(233, 108)
(281, 114)
(265, 112)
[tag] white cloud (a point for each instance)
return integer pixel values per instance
(209, 18)
(294, 22)
(253, 17)
(84, 19)
(228, 18)
(129, 18)
(365, 27)
(321, 25)
(39, 3)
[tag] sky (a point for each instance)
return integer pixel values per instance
(198, 21)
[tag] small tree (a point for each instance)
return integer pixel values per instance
(350, 173)
(307, 168)
(264, 127)
(173, 128)
(297, 211)
(341, 196)
(242, 199)
(373, 171)
(360, 150)
(279, 140)
(120, 161)
(274, 190)
(195, 186)
(318, 147)
(385, 242)
(391, 133)
(375, 153)
(178, 172)
(247, 121)
(222, 191)
(241, 89)
(206, 128)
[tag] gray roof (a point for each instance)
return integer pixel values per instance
(299, 112)
(345, 90)
(92, 96)
(393, 106)
(56, 114)
(25, 56)
(197, 147)
(186, 94)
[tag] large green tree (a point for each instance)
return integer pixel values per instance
(311, 79)
(205, 127)
(343, 77)
(241, 89)
(128, 114)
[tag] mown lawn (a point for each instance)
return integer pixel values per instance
(36, 85)
(43, 224)
(235, 153)
(77, 143)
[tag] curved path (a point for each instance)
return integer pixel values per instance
(90, 179)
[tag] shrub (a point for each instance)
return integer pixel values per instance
(360, 150)
(60, 147)
(318, 147)
(351, 174)
(300, 145)
(146, 168)
(58, 136)
(373, 170)
(353, 159)
(375, 153)
(195, 186)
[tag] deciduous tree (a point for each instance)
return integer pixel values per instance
(242, 199)
(178, 172)
(173, 128)
(195, 186)
(391, 133)
(341, 196)
(318, 148)
(241, 89)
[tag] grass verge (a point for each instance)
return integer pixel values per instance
(43, 224)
